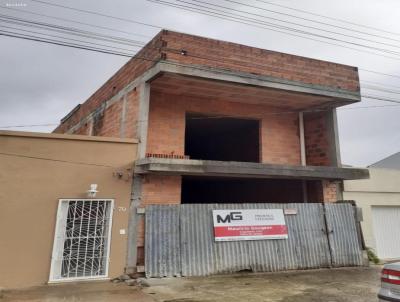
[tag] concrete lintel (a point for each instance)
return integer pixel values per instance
(244, 169)
(258, 80)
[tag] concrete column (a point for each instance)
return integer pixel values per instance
(333, 136)
(303, 154)
(143, 118)
(302, 139)
(134, 220)
(334, 147)
(137, 183)
(123, 117)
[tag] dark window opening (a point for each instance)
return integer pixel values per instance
(240, 190)
(222, 138)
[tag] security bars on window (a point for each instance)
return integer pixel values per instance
(82, 239)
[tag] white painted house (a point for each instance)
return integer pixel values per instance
(379, 198)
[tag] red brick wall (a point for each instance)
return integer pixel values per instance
(84, 129)
(330, 190)
(157, 189)
(131, 116)
(323, 190)
(214, 53)
(161, 189)
(316, 139)
(145, 59)
(166, 133)
(109, 123)
(237, 57)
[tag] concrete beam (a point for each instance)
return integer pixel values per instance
(244, 169)
(258, 80)
(338, 95)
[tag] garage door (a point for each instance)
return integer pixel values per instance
(386, 224)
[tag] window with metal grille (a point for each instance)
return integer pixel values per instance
(82, 239)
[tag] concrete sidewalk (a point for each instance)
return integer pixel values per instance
(335, 285)
(104, 291)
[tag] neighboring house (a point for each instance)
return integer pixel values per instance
(39, 169)
(379, 198)
(390, 162)
(223, 122)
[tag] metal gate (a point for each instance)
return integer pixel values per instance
(82, 239)
(180, 240)
(342, 234)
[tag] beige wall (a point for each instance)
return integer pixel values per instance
(382, 189)
(30, 188)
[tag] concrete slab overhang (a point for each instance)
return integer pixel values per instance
(244, 169)
(203, 81)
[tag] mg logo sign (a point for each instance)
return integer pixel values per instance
(231, 216)
(249, 224)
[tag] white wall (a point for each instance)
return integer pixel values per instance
(382, 189)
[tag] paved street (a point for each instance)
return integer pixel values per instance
(337, 285)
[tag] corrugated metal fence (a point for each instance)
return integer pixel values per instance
(180, 240)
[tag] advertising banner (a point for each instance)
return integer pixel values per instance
(260, 224)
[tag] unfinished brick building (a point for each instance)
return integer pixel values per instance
(219, 122)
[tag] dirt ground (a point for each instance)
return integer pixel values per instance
(336, 285)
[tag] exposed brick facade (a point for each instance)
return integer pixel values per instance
(145, 59)
(167, 46)
(158, 189)
(316, 139)
(113, 111)
(330, 190)
(279, 133)
(236, 57)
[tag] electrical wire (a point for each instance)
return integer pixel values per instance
(106, 37)
(147, 24)
(74, 21)
(25, 126)
(86, 11)
(97, 14)
(326, 17)
(41, 39)
(293, 23)
(201, 8)
(142, 58)
(56, 160)
(380, 73)
(69, 30)
(310, 20)
(236, 20)
(380, 84)
(379, 98)
(229, 116)
(376, 88)
(64, 38)
(54, 42)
